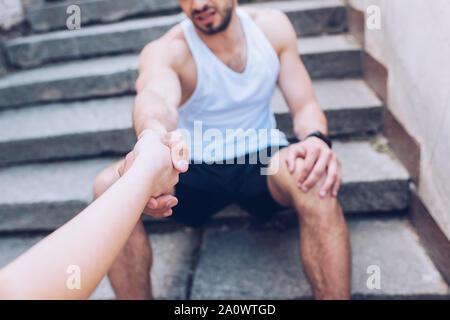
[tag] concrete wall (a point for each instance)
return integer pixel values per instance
(414, 44)
(11, 13)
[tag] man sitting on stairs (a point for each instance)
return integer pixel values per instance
(214, 72)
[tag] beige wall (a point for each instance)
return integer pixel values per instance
(11, 13)
(414, 44)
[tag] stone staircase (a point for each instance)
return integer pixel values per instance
(65, 113)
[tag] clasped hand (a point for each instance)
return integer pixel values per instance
(168, 156)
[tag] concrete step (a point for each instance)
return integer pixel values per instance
(94, 127)
(351, 108)
(44, 196)
(265, 264)
(309, 18)
(53, 16)
(334, 56)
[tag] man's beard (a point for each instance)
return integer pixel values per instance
(225, 22)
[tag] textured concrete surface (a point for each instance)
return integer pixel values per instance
(173, 257)
(350, 106)
(62, 119)
(74, 80)
(242, 264)
(47, 17)
(331, 14)
(265, 264)
(67, 130)
(393, 246)
(343, 61)
(127, 36)
(44, 196)
(3, 70)
(255, 264)
(359, 160)
(41, 196)
(53, 16)
(94, 127)
(116, 75)
(328, 44)
(309, 18)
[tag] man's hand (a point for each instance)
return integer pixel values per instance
(318, 160)
(161, 205)
(153, 160)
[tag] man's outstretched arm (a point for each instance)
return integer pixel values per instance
(296, 86)
(158, 90)
(156, 108)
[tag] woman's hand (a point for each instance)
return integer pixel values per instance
(160, 205)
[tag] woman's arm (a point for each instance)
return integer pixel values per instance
(92, 239)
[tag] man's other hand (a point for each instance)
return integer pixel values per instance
(318, 160)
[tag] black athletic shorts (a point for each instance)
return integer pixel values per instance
(205, 189)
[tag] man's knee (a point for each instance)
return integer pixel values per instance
(285, 185)
(279, 179)
(280, 175)
(105, 179)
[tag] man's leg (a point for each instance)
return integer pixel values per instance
(130, 273)
(324, 242)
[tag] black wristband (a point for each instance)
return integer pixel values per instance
(321, 136)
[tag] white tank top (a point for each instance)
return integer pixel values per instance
(228, 114)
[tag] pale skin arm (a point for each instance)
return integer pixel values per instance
(94, 238)
(296, 86)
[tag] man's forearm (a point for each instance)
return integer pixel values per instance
(309, 119)
(152, 112)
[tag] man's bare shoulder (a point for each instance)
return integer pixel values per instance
(170, 50)
(275, 25)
